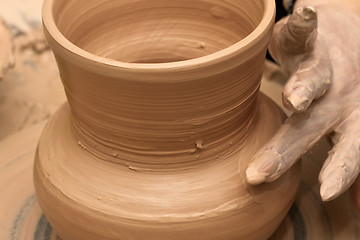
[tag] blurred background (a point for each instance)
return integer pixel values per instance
(31, 91)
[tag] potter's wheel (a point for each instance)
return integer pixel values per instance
(20, 214)
(21, 217)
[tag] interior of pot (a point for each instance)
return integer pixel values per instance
(156, 31)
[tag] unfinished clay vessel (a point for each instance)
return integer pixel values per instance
(163, 115)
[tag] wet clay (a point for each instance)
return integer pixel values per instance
(308, 218)
(163, 115)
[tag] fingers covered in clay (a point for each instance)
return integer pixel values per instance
(7, 57)
(342, 166)
(303, 58)
(294, 35)
(296, 136)
(312, 79)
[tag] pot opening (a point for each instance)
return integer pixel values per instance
(156, 31)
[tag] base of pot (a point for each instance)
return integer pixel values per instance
(22, 218)
(84, 197)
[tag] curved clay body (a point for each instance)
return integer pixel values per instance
(163, 117)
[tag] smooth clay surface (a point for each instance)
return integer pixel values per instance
(309, 217)
(210, 201)
(156, 31)
(163, 115)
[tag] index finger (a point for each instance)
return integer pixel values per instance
(294, 138)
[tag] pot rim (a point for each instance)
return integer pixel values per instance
(58, 41)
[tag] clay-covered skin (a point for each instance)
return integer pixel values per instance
(164, 114)
(318, 46)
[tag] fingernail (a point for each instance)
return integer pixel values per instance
(299, 98)
(254, 177)
(261, 168)
(309, 13)
(303, 21)
(330, 190)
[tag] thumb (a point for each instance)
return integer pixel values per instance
(293, 37)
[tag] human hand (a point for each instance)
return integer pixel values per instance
(320, 50)
(7, 59)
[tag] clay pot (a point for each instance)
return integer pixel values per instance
(163, 115)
